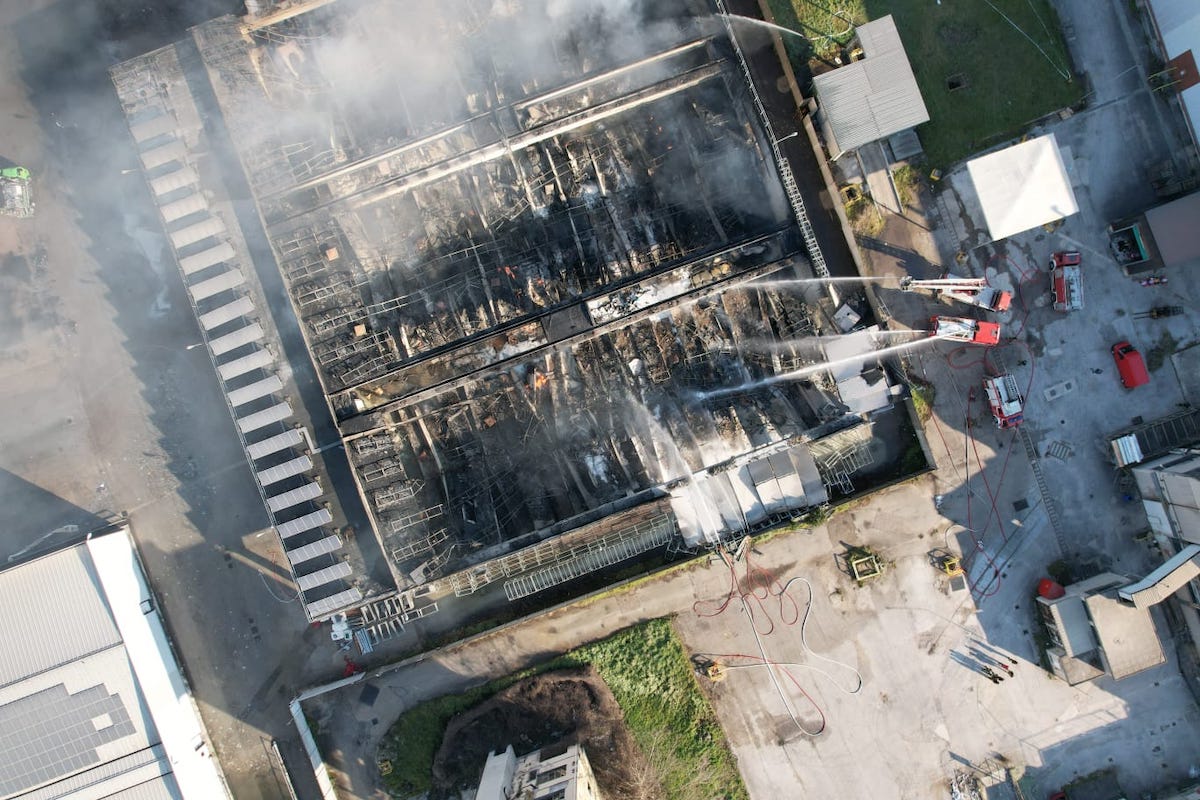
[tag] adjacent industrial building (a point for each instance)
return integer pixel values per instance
(1170, 489)
(871, 98)
(557, 289)
(1164, 237)
(92, 700)
(553, 773)
(1177, 25)
(1094, 633)
(1104, 624)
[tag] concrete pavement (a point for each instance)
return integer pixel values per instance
(105, 409)
(908, 635)
(879, 177)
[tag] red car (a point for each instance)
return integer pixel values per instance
(1130, 365)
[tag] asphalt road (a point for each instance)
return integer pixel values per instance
(104, 408)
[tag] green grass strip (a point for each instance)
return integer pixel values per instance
(652, 680)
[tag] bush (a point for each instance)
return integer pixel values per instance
(908, 182)
(923, 396)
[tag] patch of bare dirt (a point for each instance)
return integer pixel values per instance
(570, 706)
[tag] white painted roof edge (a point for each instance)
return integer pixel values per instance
(171, 705)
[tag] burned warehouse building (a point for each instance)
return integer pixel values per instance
(550, 278)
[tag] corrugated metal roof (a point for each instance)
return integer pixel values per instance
(94, 669)
(163, 787)
(53, 608)
(873, 98)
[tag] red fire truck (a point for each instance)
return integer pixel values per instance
(1008, 407)
(1066, 281)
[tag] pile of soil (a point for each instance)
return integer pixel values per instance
(567, 706)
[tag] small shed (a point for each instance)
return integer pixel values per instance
(872, 98)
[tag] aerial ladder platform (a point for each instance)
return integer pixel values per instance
(972, 291)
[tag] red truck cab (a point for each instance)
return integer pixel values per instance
(1070, 258)
(1130, 365)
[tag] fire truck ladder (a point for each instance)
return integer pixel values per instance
(954, 285)
(957, 328)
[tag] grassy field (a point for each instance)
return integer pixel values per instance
(1004, 82)
(826, 25)
(652, 680)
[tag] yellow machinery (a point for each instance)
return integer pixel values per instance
(709, 668)
(951, 565)
(863, 564)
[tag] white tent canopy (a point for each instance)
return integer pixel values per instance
(1022, 187)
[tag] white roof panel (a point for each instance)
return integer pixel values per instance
(197, 231)
(255, 391)
(232, 341)
(261, 419)
(184, 176)
(178, 209)
(1022, 187)
(56, 594)
(158, 675)
(296, 466)
(156, 126)
(332, 603)
(323, 576)
(226, 313)
(274, 444)
(294, 527)
(318, 548)
(285, 500)
(164, 154)
(230, 279)
(206, 258)
(240, 366)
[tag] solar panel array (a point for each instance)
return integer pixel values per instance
(53, 733)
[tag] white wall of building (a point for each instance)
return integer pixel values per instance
(1178, 24)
